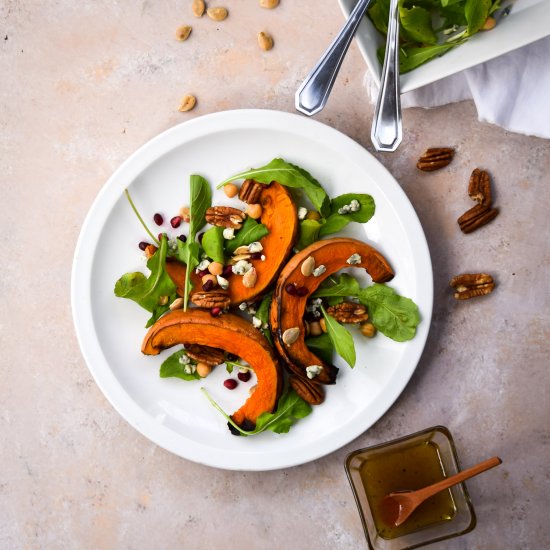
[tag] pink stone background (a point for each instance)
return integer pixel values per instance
(83, 85)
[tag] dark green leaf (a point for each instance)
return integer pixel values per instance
(416, 56)
(212, 243)
(200, 201)
(263, 315)
(346, 285)
(250, 232)
(172, 367)
(379, 14)
(416, 24)
(476, 12)
(308, 233)
(393, 315)
(341, 338)
(321, 346)
(290, 408)
(336, 222)
(289, 175)
(147, 291)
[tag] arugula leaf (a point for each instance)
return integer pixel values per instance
(155, 240)
(346, 285)
(289, 175)
(416, 24)
(251, 231)
(476, 12)
(200, 202)
(147, 291)
(321, 346)
(379, 14)
(212, 243)
(263, 315)
(172, 368)
(335, 222)
(188, 252)
(290, 408)
(309, 233)
(416, 56)
(341, 338)
(395, 316)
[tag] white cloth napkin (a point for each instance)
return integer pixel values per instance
(512, 91)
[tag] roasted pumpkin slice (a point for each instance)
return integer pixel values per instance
(287, 310)
(280, 217)
(232, 334)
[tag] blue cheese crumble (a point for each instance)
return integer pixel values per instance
(313, 370)
(353, 206)
(354, 259)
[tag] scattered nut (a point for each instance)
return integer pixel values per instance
(315, 328)
(183, 32)
(367, 329)
(476, 217)
(209, 277)
(187, 103)
(215, 268)
(472, 285)
(307, 267)
(251, 191)
(290, 335)
(265, 41)
(250, 278)
(254, 211)
(230, 190)
(225, 216)
(241, 250)
(348, 312)
(163, 300)
(203, 370)
(489, 24)
(479, 187)
(435, 158)
(198, 7)
(323, 324)
(217, 14)
(313, 215)
(252, 389)
(176, 304)
(308, 390)
(269, 4)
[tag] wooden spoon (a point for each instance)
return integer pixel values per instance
(400, 505)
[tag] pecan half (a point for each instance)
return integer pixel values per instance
(251, 191)
(211, 298)
(435, 158)
(225, 216)
(479, 187)
(348, 312)
(309, 391)
(476, 217)
(205, 354)
(471, 285)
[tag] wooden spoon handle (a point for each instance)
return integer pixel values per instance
(457, 478)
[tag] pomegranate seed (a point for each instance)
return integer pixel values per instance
(159, 220)
(216, 311)
(199, 237)
(227, 271)
(209, 285)
(302, 291)
(231, 357)
(230, 383)
(244, 376)
(256, 256)
(159, 236)
(143, 245)
(182, 238)
(291, 289)
(175, 221)
(202, 273)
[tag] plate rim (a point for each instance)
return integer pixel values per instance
(110, 386)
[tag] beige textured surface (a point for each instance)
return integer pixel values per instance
(84, 84)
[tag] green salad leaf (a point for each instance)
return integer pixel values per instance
(289, 175)
(476, 12)
(172, 367)
(189, 253)
(393, 315)
(263, 315)
(321, 346)
(251, 231)
(290, 408)
(150, 292)
(212, 243)
(337, 221)
(341, 339)
(416, 24)
(344, 286)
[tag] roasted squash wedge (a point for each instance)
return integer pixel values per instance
(287, 310)
(232, 334)
(280, 217)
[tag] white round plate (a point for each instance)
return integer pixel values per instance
(174, 413)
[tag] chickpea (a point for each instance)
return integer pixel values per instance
(215, 268)
(315, 328)
(203, 370)
(230, 190)
(368, 329)
(254, 211)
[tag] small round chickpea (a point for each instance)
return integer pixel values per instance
(254, 211)
(315, 328)
(230, 190)
(215, 268)
(368, 329)
(209, 277)
(203, 370)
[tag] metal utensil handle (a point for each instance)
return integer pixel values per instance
(312, 95)
(387, 128)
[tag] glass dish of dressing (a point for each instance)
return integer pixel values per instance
(409, 463)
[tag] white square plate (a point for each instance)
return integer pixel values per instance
(529, 21)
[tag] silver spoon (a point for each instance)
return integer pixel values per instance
(387, 127)
(312, 95)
